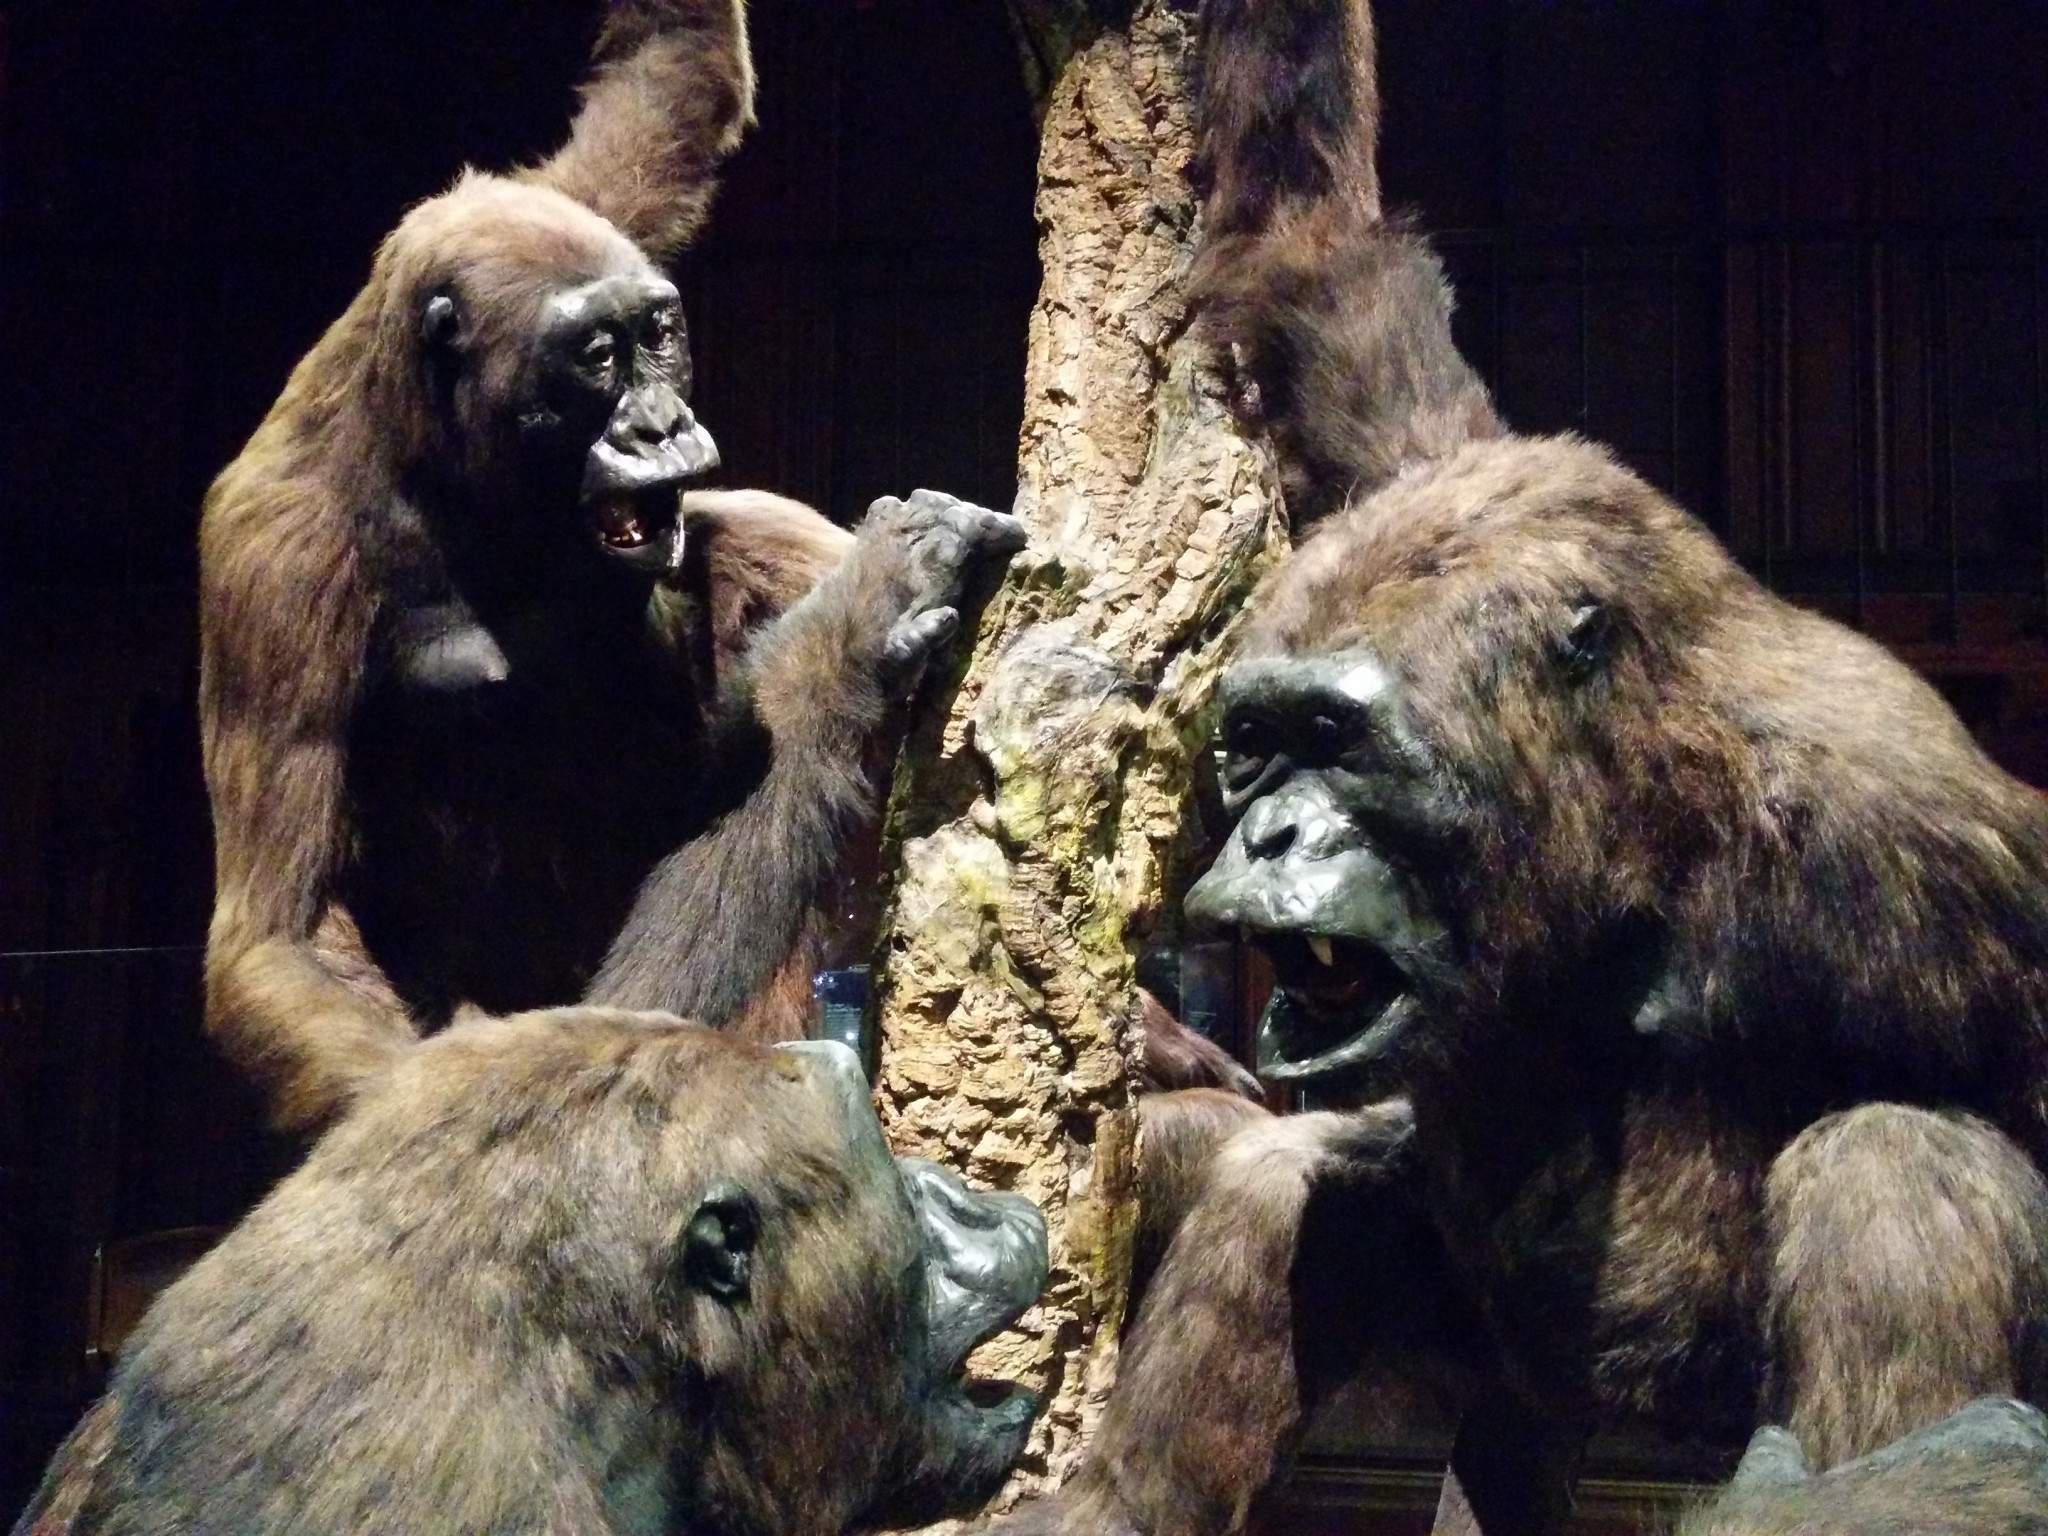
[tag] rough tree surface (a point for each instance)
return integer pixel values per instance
(1035, 828)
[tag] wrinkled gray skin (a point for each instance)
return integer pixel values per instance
(1982, 1471)
(1337, 807)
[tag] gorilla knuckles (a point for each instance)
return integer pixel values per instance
(575, 1270)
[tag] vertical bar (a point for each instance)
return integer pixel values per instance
(1766, 486)
(1496, 246)
(1943, 342)
(982, 257)
(1880, 397)
(1788, 460)
(2041, 412)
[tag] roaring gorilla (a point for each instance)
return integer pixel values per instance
(578, 1271)
(493, 713)
(1688, 960)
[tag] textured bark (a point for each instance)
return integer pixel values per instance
(1038, 817)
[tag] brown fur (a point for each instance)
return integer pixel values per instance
(469, 1310)
(1175, 1056)
(1639, 1191)
(379, 863)
(1178, 1134)
(1338, 322)
(1871, 1340)
(672, 92)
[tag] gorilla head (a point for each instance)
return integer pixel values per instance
(1516, 745)
(581, 1269)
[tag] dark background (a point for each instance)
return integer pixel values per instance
(1788, 256)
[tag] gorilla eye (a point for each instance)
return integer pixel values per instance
(663, 327)
(1325, 737)
(718, 1245)
(598, 352)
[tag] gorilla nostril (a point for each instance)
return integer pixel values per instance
(1268, 836)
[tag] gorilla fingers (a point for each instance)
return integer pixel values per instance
(716, 920)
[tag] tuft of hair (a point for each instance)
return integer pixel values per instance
(1876, 1341)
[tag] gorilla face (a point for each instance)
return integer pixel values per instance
(1339, 816)
(1475, 767)
(971, 1263)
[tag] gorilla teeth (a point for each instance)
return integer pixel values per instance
(1319, 946)
(618, 525)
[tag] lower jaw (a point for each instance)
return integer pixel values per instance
(1295, 1052)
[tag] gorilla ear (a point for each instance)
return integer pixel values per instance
(718, 1244)
(1588, 640)
(438, 322)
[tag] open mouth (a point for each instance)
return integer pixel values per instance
(1341, 1005)
(639, 528)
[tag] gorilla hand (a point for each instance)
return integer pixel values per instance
(923, 554)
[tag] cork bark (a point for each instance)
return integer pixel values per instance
(1037, 822)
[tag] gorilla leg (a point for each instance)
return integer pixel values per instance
(1305, 1228)
(1909, 1274)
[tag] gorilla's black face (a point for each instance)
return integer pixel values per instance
(585, 395)
(1340, 820)
(613, 377)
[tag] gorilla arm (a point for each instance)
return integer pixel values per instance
(1338, 322)
(749, 556)
(720, 917)
(291, 995)
(672, 91)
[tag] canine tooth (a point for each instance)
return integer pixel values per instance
(1320, 948)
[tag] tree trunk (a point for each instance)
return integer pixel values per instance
(1038, 819)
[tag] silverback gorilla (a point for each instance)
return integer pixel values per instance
(1689, 959)
(576, 1271)
(492, 714)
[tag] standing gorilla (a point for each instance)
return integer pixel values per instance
(487, 714)
(574, 1273)
(1706, 953)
